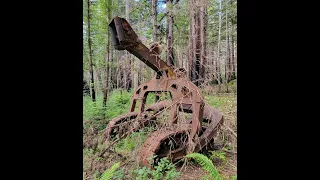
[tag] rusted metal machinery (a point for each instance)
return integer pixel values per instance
(177, 138)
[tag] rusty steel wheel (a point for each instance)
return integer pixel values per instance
(164, 143)
(174, 143)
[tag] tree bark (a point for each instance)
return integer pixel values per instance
(155, 26)
(219, 64)
(155, 30)
(197, 46)
(100, 82)
(227, 54)
(118, 70)
(170, 58)
(135, 63)
(106, 88)
(190, 44)
(194, 45)
(197, 42)
(233, 74)
(203, 54)
(232, 58)
(93, 95)
(128, 69)
(227, 66)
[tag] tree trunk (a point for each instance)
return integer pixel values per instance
(155, 26)
(128, 68)
(219, 63)
(197, 42)
(134, 64)
(111, 68)
(226, 51)
(203, 54)
(93, 95)
(118, 70)
(105, 93)
(100, 82)
(170, 58)
(194, 46)
(227, 67)
(197, 46)
(155, 30)
(190, 44)
(233, 74)
(232, 59)
(235, 57)
(106, 88)
(140, 67)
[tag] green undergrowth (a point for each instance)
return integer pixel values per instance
(165, 170)
(218, 101)
(133, 141)
(118, 103)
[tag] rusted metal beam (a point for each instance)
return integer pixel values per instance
(124, 38)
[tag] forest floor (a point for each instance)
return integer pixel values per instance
(125, 151)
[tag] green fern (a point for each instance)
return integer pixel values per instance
(108, 174)
(206, 164)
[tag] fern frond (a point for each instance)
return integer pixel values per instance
(206, 164)
(108, 174)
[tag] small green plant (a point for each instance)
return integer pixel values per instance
(234, 177)
(163, 170)
(119, 174)
(151, 159)
(108, 174)
(133, 141)
(142, 173)
(151, 98)
(165, 167)
(92, 110)
(218, 156)
(206, 164)
(164, 96)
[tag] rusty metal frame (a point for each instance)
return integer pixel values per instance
(184, 94)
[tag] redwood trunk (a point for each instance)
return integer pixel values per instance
(93, 95)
